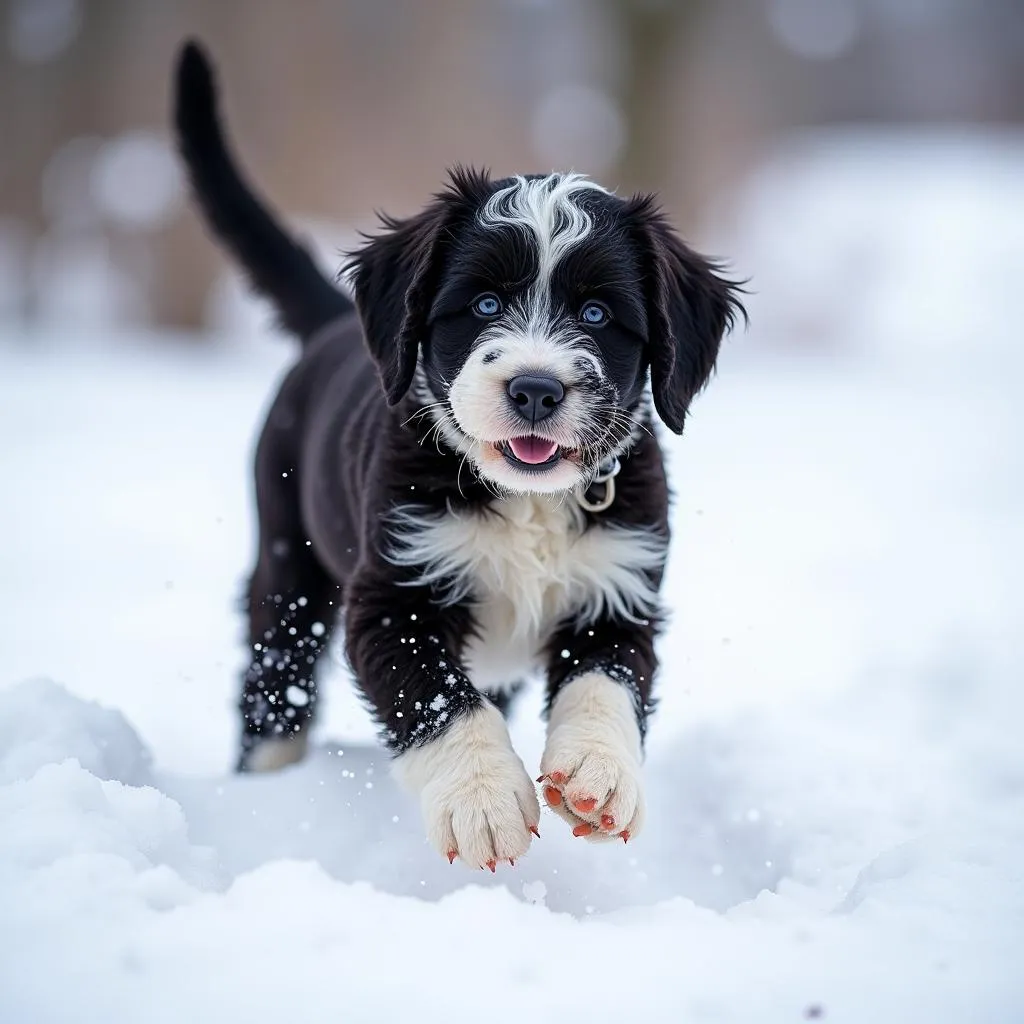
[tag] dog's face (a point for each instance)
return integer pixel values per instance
(524, 316)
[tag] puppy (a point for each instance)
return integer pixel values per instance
(462, 467)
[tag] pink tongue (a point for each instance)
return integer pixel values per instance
(532, 449)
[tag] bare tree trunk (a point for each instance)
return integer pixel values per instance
(657, 34)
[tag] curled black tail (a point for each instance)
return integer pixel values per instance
(276, 264)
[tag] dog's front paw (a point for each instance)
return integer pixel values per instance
(478, 802)
(591, 764)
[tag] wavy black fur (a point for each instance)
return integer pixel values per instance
(342, 445)
(278, 266)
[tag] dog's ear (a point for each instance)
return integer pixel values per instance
(690, 307)
(395, 275)
(392, 277)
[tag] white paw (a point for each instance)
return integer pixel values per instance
(591, 764)
(276, 752)
(477, 800)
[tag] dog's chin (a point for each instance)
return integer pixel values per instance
(527, 466)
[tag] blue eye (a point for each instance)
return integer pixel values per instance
(594, 314)
(487, 305)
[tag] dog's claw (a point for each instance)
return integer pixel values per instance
(586, 805)
(535, 831)
(512, 862)
(553, 797)
(452, 854)
(583, 829)
(541, 778)
(625, 835)
(492, 865)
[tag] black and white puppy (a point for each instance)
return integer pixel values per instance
(462, 468)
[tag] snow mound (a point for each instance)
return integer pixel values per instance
(894, 888)
(41, 723)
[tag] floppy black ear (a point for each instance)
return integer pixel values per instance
(395, 274)
(690, 307)
(392, 278)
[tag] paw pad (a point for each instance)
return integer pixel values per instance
(598, 796)
(552, 796)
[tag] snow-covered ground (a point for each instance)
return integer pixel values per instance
(836, 776)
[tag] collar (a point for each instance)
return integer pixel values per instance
(606, 473)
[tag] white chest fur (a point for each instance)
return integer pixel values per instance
(528, 564)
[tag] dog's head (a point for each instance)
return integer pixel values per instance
(524, 315)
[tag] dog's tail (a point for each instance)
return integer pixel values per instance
(277, 265)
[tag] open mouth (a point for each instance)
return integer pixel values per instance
(531, 453)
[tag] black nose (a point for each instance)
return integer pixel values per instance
(535, 397)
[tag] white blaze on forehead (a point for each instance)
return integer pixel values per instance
(547, 209)
(551, 214)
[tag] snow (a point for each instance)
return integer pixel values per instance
(835, 773)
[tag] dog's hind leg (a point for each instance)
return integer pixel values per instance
(292, 602)
(291, 605)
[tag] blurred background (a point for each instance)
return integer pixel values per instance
(752, 118)
(848, 497)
